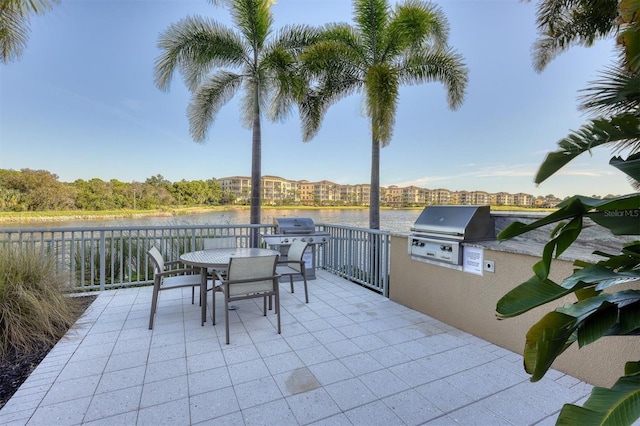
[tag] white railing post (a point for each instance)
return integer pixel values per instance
(103, 261)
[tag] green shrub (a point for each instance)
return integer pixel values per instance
(34, 307)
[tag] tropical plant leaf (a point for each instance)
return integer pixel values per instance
(568, 210)
(597, 324)
(619, 222)
(627, 260)
(528, 295)
(630, 318)
(585, 293)
(619, 405)
(631, 367)
(582, 309)
(618, 214)
(630, 166)
(547, 339)
(557, 330)
(567, 234)
(600, 276)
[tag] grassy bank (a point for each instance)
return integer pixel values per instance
(46, 216)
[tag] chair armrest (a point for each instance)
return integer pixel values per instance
(249, 280)
(284, 262)
(178, 271)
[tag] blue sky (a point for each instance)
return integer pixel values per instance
(81, 103)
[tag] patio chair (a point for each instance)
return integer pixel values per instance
(295, 265)
(249, 278)
(219, 242)
(168, 279)
(215, 243)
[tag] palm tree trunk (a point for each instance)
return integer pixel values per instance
(374, 206)
(256, 169)
(374, 200)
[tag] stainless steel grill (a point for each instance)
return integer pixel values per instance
(439, 231)
(289, 229)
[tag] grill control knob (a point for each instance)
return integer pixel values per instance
(310, 239)
(286, 240)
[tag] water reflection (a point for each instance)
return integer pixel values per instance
(390, 220)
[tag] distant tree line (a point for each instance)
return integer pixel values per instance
(40, 190)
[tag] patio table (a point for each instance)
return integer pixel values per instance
(218, 258)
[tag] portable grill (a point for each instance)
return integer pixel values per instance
(439, 232)
(289, 229)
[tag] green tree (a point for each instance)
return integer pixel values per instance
(121, 194)
(214, 192)
(39, 190)
(601, 309)
(384, 50)
(216, 62)
(15, 17)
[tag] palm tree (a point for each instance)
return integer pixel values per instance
(385, 49)
(14, 25)
(216, 62)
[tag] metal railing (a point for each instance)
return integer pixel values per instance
(101, 258)
(359, 255)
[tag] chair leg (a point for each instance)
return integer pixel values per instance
(226, 312)
(291, 282)
(213, 303)
(304, 279)
(278, 308)
(154, 304)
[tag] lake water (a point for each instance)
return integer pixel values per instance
(390, 220)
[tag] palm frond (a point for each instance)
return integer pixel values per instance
(281, 64)
(194, 46)
(14, 33)
(318, 100)
(15, 20)
(254, 19)
(207, 101)
(444, 66)
(563, 24)
(371, 18)
(415, 23)
(616, 92)
(382, 88)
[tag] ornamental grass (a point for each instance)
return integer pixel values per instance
(35, 309)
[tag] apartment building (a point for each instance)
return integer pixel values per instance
(277, 190)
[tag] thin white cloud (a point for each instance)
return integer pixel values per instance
(132, 104)
(499, 172)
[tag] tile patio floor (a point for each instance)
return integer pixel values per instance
(349, 357)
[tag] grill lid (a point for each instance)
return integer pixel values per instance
(294, 225)
(465, 223)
